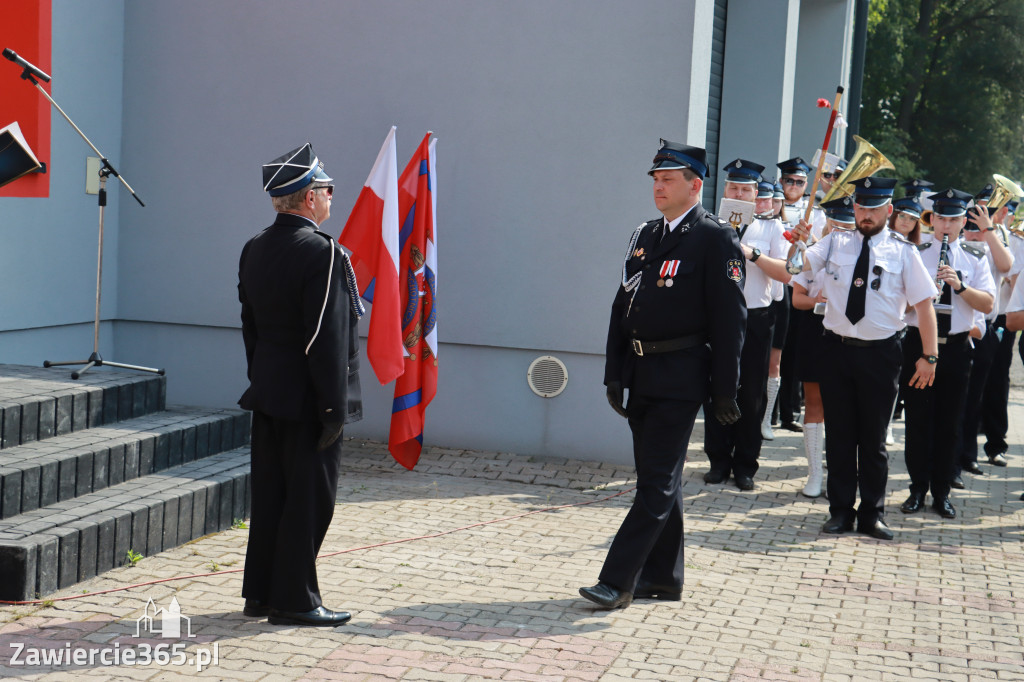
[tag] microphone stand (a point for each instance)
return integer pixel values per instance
(95, 360)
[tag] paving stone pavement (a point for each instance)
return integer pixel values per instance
(766, 597)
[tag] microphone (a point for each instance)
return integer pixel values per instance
(29, 68)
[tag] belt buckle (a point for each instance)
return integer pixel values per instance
(638, 347)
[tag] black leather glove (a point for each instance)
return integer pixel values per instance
(614, 394)
(726, 410)
(330, 433)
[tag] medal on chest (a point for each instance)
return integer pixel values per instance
(667, 272)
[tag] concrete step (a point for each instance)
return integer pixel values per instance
(69, 541)
(38, 403)
(64, 467)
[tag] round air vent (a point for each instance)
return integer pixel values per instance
(547, 376)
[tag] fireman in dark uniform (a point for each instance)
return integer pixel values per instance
(675, 335)
(300, 313)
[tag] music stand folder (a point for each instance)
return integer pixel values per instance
(16, 158)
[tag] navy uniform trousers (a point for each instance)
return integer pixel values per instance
(994, 419)
(649, 544)
(736, 447)
(982, 365)
(934, 415)
(294, 487)
(858, 387)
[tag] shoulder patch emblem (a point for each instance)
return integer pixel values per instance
(926, 245)
(900, 238)
(734, 270)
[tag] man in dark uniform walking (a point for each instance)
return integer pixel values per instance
(300, 314)
(675, 334)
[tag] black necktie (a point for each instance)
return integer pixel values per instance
(859, 286)
(662, 231)
(944, 316)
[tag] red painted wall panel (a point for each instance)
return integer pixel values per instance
(26, 28)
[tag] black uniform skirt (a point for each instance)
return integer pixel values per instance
(813, 358)
(781, 310)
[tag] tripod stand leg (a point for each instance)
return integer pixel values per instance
(154, 370)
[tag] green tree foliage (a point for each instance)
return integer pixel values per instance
(943, 91)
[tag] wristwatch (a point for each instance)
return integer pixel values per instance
(962, 289)
(754, 255)
(932, 359)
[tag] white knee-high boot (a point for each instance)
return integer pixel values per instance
(773, 393)
(812, 447)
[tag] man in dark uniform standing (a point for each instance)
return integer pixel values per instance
(300, 314)
(675, 334)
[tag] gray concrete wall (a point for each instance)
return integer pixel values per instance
(547, 116)
(823, 62)
(49, 245)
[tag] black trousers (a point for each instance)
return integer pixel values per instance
(934, 415)
(994, 418)
(858, 387)
(789, 390)
(649, 543)
(293, 496)
(736, 447)
(982, 358)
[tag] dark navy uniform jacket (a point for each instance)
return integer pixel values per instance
(706, 298)
(282, 284)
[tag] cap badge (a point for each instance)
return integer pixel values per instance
(739, 164)
(867, 183)
(949, 194)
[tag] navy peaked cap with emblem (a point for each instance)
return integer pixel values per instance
(794, 166)
(1011, 205)
(674, 156)
(913, 188)
(765, 189)
(841, 165)
(908, 205)
(839, 210)
(291, 172)
(743, 172)
(779, 194)
(950, 202)
(985, 194)
(873, 192)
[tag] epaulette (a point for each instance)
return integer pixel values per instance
(974, 251)
(926, 245)
(900, 238)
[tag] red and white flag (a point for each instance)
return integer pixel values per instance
(371, 235)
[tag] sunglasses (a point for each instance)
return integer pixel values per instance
(793, 181)
(329, 188)
(877, 282)
(829, 176)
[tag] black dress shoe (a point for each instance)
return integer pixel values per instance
(606, 596)
(913, 504)
(319, 617)
(877, 530)
(973, 468)
(793, 426)
(256, 608)
(646, 590)
(957, 483)
(715, 476)
(745, 482)
(837, 525)
(945, 508)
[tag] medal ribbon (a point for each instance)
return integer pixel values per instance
(669, 268)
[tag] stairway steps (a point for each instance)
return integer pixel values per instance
(40, 473)
(48, 549)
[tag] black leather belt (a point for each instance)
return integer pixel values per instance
(953, 339)
(642, 348)
(861, 343)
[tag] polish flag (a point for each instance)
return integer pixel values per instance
(371, 236)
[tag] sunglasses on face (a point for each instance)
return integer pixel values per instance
(794, 181)
(829, 176)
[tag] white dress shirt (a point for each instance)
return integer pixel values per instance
(974, 272)
(767, 237)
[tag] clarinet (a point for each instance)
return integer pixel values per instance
(943, 260)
